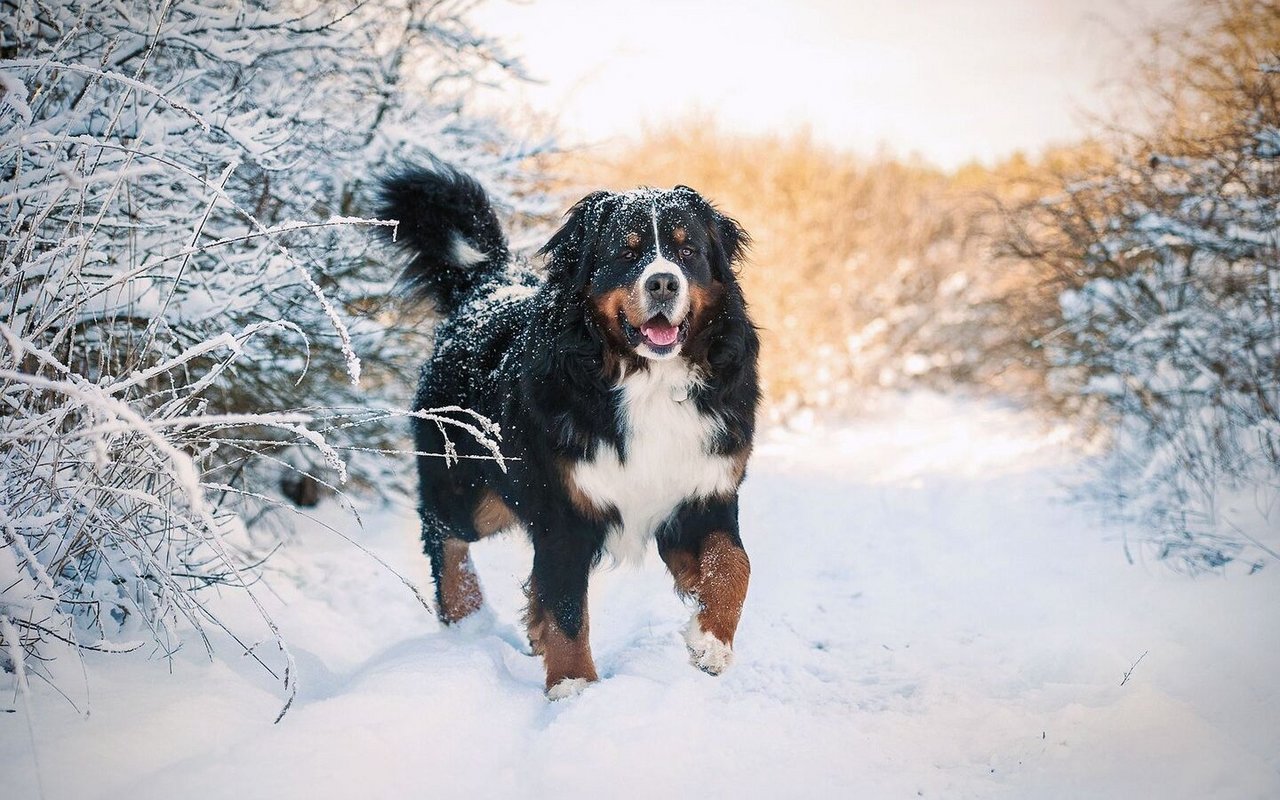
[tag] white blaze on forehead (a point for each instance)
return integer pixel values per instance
(661, 264)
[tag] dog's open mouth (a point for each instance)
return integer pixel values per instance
(658, 334)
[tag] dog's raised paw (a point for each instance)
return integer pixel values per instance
(568, 687)
(706, 652)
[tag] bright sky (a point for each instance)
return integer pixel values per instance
(951, 80)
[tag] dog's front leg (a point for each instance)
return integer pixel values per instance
(706, 558)
(557, 612)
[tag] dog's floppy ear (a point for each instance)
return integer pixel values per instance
(732, 240)
(728, 240)
(569, 249)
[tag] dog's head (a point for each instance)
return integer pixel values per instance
(651, 264)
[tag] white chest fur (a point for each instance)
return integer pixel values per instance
(667, 461)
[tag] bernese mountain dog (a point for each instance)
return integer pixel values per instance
(623, 378)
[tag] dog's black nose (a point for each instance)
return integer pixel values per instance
(662, 286)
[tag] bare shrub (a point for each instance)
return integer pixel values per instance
(1166, 264)
(180, 188)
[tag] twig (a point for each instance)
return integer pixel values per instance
(1133, 667)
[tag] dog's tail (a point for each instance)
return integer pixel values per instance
(450, 230)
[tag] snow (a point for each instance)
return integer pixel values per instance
(927, 617)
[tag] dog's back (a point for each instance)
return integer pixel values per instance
(459, 261)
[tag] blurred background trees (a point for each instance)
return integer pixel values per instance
(1130, 282)
(1166, 263)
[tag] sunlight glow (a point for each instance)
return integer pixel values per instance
(950, 81)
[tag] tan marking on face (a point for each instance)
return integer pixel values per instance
(605, 309)
(680, 235)
(562, 656)
(702, 301)
(460, 594)
(492, 515)
(633, 240)
(623, 301)
(717, 578)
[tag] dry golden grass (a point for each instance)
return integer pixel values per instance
(862, 271)
(879, 272)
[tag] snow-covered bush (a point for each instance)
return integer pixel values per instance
(190, 304)
(1170, 318)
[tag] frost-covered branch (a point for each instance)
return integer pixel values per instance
(1168, 258)
(192, 304)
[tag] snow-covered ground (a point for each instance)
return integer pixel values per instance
(927, 618)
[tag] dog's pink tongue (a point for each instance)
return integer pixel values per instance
(661, 335)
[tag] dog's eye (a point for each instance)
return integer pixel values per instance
(628, 255)
(685, 252)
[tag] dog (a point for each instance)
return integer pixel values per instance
(624, 380)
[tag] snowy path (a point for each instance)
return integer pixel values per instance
(926, 618)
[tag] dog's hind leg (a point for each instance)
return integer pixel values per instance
(448, 546)
(458, 592)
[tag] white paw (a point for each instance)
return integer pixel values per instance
(568, 687)
(706, 652)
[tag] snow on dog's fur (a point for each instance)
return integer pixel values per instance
(624, 382)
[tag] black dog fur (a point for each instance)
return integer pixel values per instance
(544, 357)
